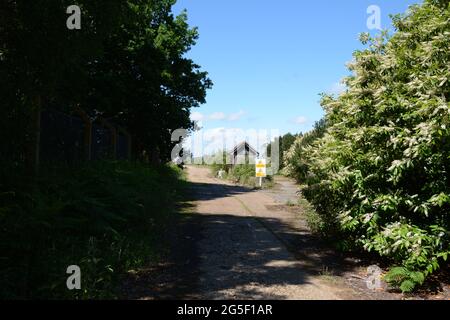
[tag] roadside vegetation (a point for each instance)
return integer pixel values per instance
(127, 65)
(243, 174)
(284, 143)
(376, 169)
(107, 218)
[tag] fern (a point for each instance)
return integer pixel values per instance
(404, 279)
(408, 286)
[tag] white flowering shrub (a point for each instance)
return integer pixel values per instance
(380, 175)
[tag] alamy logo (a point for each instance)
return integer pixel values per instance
(217, 146)
(374, 278)
(74, 20)
(74, 280)
(374, 20)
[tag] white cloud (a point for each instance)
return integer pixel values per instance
(300, 120)
(197, 116)
(236, 116)
(218, 116)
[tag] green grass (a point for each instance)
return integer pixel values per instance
(106, 217)
(243, 175)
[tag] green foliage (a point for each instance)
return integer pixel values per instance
(106, 218)
(293, 158)
(219, 162)
(313, 219)
(285, 143)
(379, 174)
(243, 174)
(404, 279)
(127, 64)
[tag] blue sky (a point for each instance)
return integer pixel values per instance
(269, 60)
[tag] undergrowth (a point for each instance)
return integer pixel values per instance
(106, 217)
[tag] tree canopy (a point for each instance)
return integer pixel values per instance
(127, 63)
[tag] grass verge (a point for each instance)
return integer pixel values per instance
(105, 217)
(242, 174)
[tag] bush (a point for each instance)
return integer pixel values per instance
(404, 279)
(379, 176)
(314, 220)
(295, 163)
(106, 218)
(245, 175)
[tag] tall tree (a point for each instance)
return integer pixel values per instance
(44, 63)
(127, 63)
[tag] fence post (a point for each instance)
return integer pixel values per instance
(87, 133)
(113, 131)
(36, 136)
(128, 136)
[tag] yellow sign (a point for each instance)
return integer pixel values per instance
(261, 167)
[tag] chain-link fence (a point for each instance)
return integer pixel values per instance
(61, 138)
(74, 138)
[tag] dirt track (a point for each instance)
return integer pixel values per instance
(234, 245)
(240, 257)
(238, 243)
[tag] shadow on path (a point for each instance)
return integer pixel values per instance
(218, 256)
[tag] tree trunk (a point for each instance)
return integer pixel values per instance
(35, 139)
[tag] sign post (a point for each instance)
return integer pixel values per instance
(261, 170)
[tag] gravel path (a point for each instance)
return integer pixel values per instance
(237, 243)
(240, 256)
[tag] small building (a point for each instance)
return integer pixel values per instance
(243, 153)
